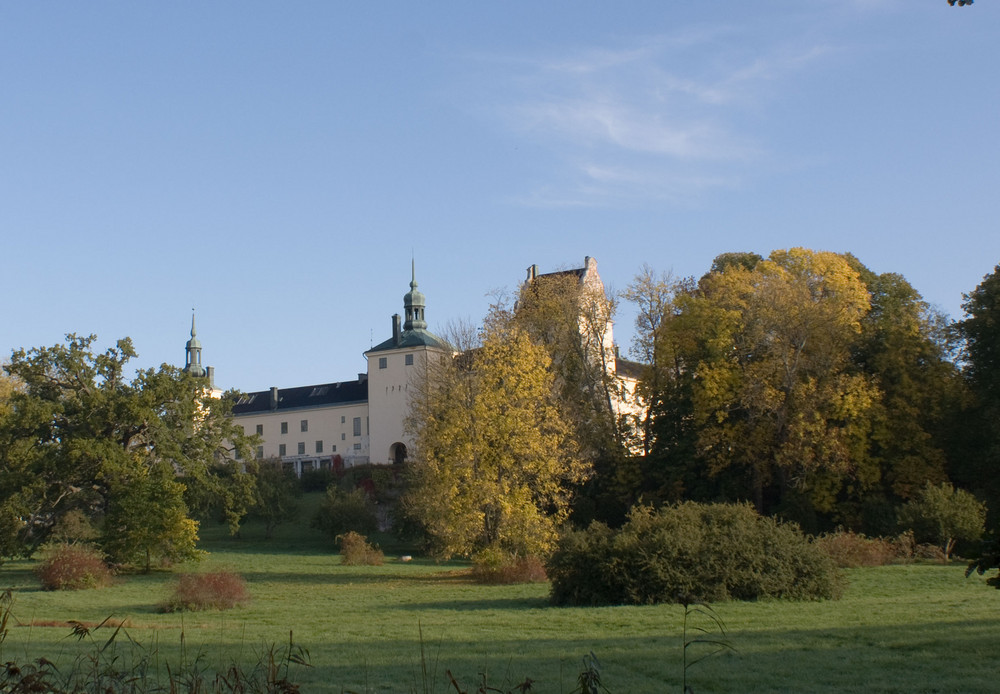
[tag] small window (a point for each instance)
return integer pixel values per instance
(383, 362)
(357, 426)
(357, 446)
(343, 419)
(409, 360)
(319, 446)
(302, 447)
(334, 448)
(304, 425)
(284, 427)
(343, 437)
(281, 450)
(260, 430)
(260, 452)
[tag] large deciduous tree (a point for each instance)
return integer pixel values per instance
(905, 348)
(981, 331)
(495, 460)
(760, 361)
(79, 434)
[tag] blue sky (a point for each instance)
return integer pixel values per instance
(276, 165)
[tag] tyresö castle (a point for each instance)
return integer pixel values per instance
(363, 420)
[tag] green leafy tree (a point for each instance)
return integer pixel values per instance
(81, 435)
(905, 348)
(981, 332)
(495, 460)
(345, 512)
(146, 521)
(943, 514)
(278, 491)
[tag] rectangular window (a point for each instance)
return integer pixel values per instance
(343, 419)
(409, 360)
(334, 448)
(284, 427)
(343, 437)
(304, 425)
(383, 362)
(260, 430)
(281, 450)
(260, 451)
(302, 447)
(319, 446)
(357, 426)
(357, 446)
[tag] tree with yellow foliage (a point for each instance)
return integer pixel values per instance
(494, 460)
(761, 353)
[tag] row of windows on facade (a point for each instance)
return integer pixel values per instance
(383, 362)
(283, 449)
(304, 426)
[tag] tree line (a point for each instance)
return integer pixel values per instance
(803, 383)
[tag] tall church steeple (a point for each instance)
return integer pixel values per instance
(414, 303)
(192, 361)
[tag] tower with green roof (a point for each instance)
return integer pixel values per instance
(393, 365)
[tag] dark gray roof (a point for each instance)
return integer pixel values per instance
(629, 369)
(343, 393)
(579, 272)
(412, 338)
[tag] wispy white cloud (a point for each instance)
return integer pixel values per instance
(657, 117)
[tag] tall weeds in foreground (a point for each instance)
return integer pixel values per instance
(704, 636)
(108, 669)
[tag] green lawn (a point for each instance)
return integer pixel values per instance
(915, 628)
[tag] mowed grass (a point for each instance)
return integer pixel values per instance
(913, 628)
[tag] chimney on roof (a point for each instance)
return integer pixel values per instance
(274, 397)
(395, 329)
(532, 272)
(210, 374)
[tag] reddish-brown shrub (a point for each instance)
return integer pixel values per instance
(494, 565)
(214, 590)
(73, 567)
(849, 549)
(355, 551)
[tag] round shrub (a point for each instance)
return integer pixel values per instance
(212, 590)
(690, 552)
(356, 551)
(73, 567)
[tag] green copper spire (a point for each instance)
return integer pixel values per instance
(192, 361)
(414, 303)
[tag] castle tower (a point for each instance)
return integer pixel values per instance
(392, 367)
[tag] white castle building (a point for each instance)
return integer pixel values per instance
(362, 420)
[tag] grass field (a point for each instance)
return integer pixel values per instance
(911, 628)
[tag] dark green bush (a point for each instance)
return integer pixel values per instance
(343, 512)
(705, 552)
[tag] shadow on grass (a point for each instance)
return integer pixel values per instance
(473, 604)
